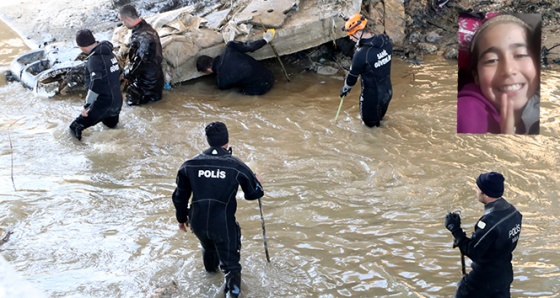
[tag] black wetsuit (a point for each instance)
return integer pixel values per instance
(144, 71)
(102, 77)
(234, 68)
(490, 248)
(373, 62)
(213, 177)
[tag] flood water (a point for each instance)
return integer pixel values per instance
(349, 210)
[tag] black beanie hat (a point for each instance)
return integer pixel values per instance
(491, 184)
(84, 38)
(217, 134)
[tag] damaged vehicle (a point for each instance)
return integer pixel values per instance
(49, 71)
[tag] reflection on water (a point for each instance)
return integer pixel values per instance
(350, 211)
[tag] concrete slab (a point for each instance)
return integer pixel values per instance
(271, 13)
(215, 19)
(300, 25)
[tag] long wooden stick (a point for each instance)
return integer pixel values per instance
(279, 60)
(12, 158)
(12, 153)
(276, 54)
(264, 231)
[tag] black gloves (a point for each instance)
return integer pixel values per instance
(344, 91)
(452, 221)
(453, 224)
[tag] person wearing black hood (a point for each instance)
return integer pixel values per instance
(491, 245)
(234, 68)
(102, 78)
(213, 178)
(372, 60)
(143, 74)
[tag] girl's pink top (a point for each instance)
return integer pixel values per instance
(476, 114)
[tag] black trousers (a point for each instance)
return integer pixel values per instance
(95, 116)
(137, 94)
(486, 290)
(373, 108)
(220, 248)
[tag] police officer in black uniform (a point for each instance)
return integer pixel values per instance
(372, 61)
(234, 68)
(213, 178)
(143, 74)
(102, 78)
(491, 245)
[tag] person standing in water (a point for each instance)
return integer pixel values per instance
(213, 178)
(102, 78)
(490, 246)
(371, 61)
(143, 73)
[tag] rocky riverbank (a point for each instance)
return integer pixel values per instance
(418, 27)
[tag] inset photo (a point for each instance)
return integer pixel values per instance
(499, 73)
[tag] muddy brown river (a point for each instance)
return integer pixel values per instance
(349, 210)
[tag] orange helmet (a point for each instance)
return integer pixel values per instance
(355, 23)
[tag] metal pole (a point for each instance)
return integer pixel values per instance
(463, 269)
(264, 231)
(339, 106)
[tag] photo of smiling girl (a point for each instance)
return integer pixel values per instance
(499, 85)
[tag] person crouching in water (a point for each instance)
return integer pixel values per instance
(213, 178)
(102, 78)
(371, 61)
(234, 68)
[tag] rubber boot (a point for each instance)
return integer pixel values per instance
(233, 284)
(76, 130)
(134, 95)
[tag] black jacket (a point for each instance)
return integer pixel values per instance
(145, 58)
(103, 77)
(491, 245)
(234, 68)
(213, 178)
(373, 62)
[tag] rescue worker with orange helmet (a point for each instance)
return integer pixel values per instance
(371, 61)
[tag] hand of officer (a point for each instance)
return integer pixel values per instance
(126, 75)
(453, 224)
(452, 221)
(269, 35)
(183, 226)
(344, 91)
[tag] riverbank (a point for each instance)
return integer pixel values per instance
(45, 21)
(415, 29)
